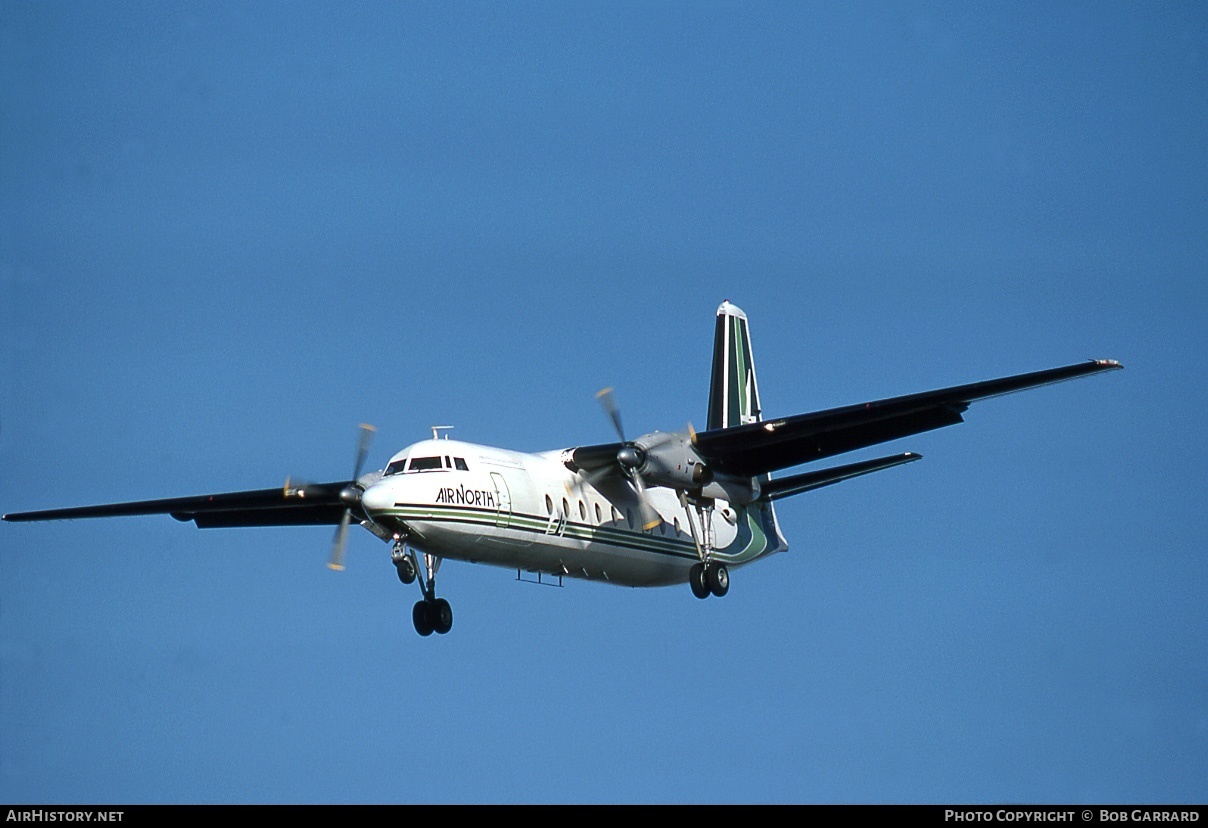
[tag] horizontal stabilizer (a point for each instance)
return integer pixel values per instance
(798, 483)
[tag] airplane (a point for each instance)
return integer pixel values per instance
(664, 508)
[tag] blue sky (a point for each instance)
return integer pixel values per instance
(229, 233)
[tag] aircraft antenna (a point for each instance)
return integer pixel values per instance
(437, 429)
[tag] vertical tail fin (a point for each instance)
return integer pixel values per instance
(734, 400)
(733, 392)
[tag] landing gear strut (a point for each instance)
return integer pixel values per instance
(708, 577)
(430, 614)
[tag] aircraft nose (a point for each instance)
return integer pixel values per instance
(377, 498)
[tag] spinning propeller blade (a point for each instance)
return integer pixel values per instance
(338, 542)
(351, 495)
(650, 518)
(630, 458)
(610, 408)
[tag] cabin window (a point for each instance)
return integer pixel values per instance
(460, 464)
(616, 516)
(421, 464)
(549, 505)
(599, 517)
(677, 528)
(565, 508)
(582, 511)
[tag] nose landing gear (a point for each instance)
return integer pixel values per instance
(405, 569)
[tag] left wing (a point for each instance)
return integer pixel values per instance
(757, 448)
(309, 505)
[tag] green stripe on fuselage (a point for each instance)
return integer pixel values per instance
(751, 541)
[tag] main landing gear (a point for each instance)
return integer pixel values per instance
(430, 614)
(708, 577)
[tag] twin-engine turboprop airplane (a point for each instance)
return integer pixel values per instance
(664, 508)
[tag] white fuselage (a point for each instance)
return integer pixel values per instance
(529, 512)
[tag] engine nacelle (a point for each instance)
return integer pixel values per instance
(670, 460)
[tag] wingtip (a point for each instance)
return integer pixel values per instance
(1108, 363)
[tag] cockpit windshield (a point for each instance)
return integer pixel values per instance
(426, 464)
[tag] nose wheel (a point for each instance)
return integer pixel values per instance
(405, 569)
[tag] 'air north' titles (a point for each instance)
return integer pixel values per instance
(465, 497)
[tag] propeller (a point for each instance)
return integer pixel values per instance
(605, 396)
(350, 495)
(630, 458)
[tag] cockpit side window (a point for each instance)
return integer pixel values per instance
(460, 464)
(395, 467)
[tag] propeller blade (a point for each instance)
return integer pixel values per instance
(586, 479)
(296, 486)
(363, 442)
(650, 518)
(339, 541)
(610, 408)
(629, 458)
(351, 495)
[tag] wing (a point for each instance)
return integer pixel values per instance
(758, 448)
(314, 504)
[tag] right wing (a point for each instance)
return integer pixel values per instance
(314, 504)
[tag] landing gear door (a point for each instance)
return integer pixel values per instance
(503, 500)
